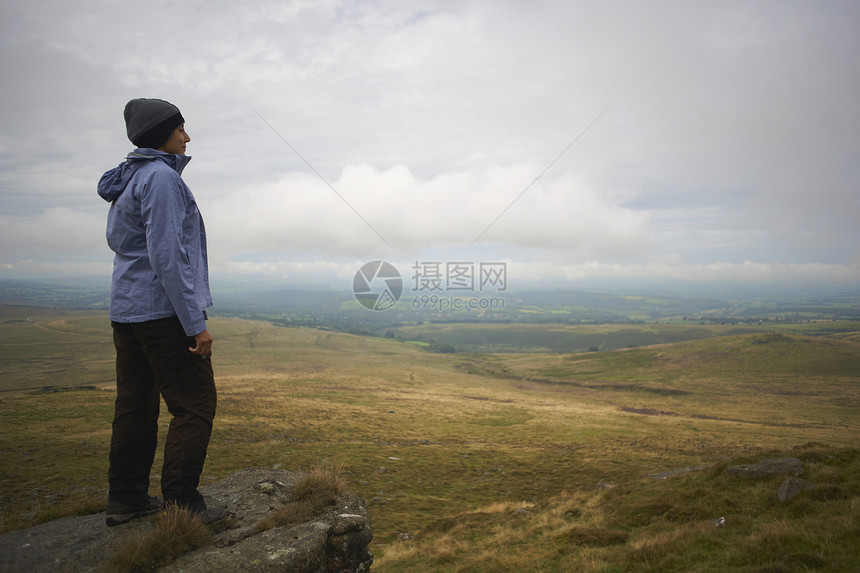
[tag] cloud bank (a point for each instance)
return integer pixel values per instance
(329, 133)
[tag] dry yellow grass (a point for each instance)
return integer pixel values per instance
(325, 482)
(175, 531)
(309, 496)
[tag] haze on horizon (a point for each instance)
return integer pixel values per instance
(713, 141)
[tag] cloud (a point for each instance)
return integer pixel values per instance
(49, 269)
(729, 134)
(57, 230)
(366, 211)
(673, 270)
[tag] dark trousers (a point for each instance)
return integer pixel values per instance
(152, 360)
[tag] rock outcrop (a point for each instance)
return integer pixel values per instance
(767, 467)
(791, 486)
(334, 541)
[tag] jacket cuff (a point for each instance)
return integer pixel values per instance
(194, 327)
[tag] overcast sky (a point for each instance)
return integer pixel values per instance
(711, 140)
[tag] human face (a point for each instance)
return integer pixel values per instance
(176, 142)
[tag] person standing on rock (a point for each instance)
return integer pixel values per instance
(159, 293)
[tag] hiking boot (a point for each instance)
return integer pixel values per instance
(118, 513)
(210, 515)
(198, 509)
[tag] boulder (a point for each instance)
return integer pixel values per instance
(767, 467)
(791, 486)
(337, 540)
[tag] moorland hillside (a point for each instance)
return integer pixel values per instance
(490, 461)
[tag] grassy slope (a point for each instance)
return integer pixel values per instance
(488, 337)
(45, 347)
(446, 447)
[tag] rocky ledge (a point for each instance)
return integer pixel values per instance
(334, 541)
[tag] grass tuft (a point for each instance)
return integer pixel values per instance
(311, 495)
(176, 532)
(325, 481)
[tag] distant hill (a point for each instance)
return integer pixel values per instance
(307, 305)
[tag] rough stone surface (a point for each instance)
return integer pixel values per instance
(767, 467)
(336, 541)
(791, 486)
(670, 473)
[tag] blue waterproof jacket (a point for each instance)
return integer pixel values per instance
(161, 265)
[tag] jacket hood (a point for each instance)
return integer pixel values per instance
(115, 180)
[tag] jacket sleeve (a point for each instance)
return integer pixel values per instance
(164, 206)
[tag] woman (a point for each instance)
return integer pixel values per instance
(159, 290)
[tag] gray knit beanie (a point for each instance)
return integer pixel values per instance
(149, 122)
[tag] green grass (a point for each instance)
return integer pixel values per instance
(44, 347)
(606, 337)
(491, 462)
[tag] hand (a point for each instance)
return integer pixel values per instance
(203, 344)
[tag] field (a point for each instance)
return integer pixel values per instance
(566, 338)
(539, 461)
